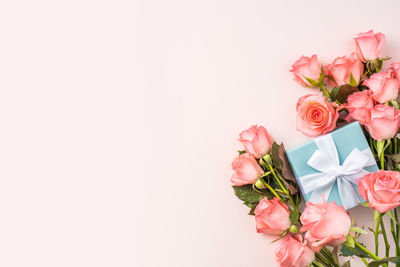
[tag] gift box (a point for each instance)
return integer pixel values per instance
(330, 165)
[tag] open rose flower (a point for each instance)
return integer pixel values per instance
(359, 105)
(315, 116)
(325, 224)
(395, 67)
(369, 45)
(256, 141)
(246, 170)
(306, 67)
(342, 68)
(292, 252)
(384, 122)
(272, 216)
(381, 189)
(384, 86)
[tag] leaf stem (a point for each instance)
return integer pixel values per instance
(387, 246)
(366, 251)
(281, 185)
(271, 189)
(376, 233)
(322, 259)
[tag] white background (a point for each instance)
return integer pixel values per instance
(119, 121)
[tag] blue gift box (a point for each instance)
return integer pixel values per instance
(346, 139)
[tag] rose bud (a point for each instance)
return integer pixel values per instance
(384, 86)
(359, 105)
(325, 224)
(384, 122)
(256, 141)
(381, 189)
(306, 67)
(369, 45)
(272, 216)
(292, 252)
(342, 68)
(315, 116)
(246, 170)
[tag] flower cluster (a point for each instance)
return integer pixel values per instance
(356, 87)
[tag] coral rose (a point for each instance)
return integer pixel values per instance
(359, 105)
(369, 45)
(246, 170)
(384, 122)
(256, 141)
(381, 189)
(342, 68)
(272, 216)
(306, 67)
(292, 252)
(384, 86)
(395, 67)
(325, 224)
(315, 116)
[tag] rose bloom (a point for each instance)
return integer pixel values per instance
(256, 141)
(272, 216)
(384, 86)
(395, 67)
(359, 105)
(246, 170)
(292, 252)
(381, 189)
(315, 116)
(342, 68)
(384, 122)
(306, 67)
(369, 45)
(325, 224)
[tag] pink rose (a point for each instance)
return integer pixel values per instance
(369, 45)
(306, 67)
(272, 216)
(315, 116)
(395, 67)
(292, 252)
(381, 189)
(359, 105)
(384, 122)
(384, 86)
(325, 224)
(256, 141)
(342, 68)
(247, 170)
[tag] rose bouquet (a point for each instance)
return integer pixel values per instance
(313, 230)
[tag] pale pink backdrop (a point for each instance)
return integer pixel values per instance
(119, 122)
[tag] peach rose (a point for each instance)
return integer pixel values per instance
(359, 105)
(395, 67)
(325, 224)
(384, 86)
(246, 170)
(292, 252)
(342, 68)
(384, 122)
(272, 216)
(315, 116)
(306, 67)
(256, 141)
(381, 189)
(369, 45)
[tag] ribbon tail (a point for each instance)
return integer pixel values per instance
(347, 193)
(322, 189)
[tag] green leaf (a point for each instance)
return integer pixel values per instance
(395, 260)
(294, 216)
(346, 264)
(349, 241)
(313, 83)
(321, 75)
(353, 81)
(248, 195)
(342, 92)
(275, 156)
(241, 152)
(348, 251)
(358, 230)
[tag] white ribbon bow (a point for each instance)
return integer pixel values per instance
(326, 160)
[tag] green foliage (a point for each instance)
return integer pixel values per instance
(395, 260)
(341, 93)
(295, 215)
(349, 251)
(248, 195)
(241, 152)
